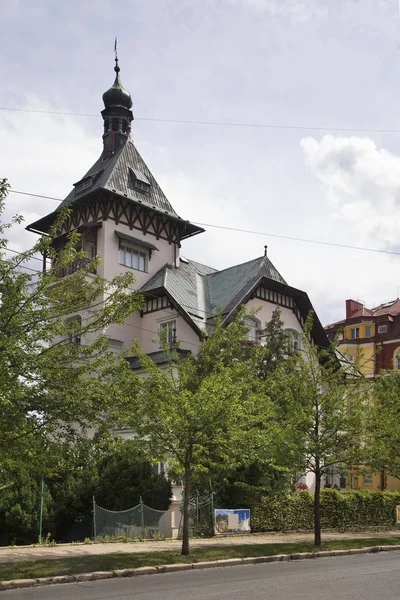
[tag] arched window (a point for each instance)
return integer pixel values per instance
(294, 340)
(396, 359)
(253, 329)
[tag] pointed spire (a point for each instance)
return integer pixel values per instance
(116, 114)
(116, 68)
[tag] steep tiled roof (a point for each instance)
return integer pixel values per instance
(336, 324)
(363, 312)
(114, 174)
(185, 285)
(201, 291)
(387, 308)
(228, 287)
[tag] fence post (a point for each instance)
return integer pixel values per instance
(41, 513)
(142, 516)
(197, 514)
(212, 513)
(94, 519)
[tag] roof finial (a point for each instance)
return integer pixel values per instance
(116, 68)
(265, 250)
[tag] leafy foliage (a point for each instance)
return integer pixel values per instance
(193, 410)
(383, 425)
(49, 386)
(339, 510)
(319, 413)
(113, 470)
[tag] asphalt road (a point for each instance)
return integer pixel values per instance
(365, 577)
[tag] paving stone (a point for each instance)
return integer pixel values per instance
(230, 562)
(83, 577)
(145, 570)
(102, 575)
(177, 567)
(124, 572)
(18, 583)
(205, 565)
(60, 579)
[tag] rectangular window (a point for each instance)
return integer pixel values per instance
(354, 333)
(368, 331)
(168, 329)
(382, 328)
(367, 479)
(130, 257)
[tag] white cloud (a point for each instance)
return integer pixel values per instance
(296, 10)
(45, 155)
(362, 184)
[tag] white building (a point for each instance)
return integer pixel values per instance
(125, 219)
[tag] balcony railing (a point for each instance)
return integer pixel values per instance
(75, 266)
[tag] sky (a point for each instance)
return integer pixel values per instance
(307, 92)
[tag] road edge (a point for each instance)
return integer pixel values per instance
(230, 562)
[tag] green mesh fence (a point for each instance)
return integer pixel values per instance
(139, 522)
(201, 516)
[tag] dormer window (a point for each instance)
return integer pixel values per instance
(140, 182)
(82, 185)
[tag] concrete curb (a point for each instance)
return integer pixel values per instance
(25, 583)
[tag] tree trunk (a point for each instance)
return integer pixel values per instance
(317, 519)
(186, 501)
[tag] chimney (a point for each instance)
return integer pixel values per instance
(352, 306)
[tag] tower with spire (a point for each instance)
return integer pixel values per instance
(117, 114)
(126, 219)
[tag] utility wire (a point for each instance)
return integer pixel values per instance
(192, 308)
(215, 123)
(252, 232)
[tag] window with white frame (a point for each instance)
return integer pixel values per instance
(396, 359)
(382, 328)
(354, 333)
(253, 329)
(132, 257)
(168, 332)
(294, 340)
(74, 326)
(367, 479)
(368, 331)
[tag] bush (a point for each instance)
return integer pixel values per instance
(339, 510)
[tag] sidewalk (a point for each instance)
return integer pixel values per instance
(27, 553)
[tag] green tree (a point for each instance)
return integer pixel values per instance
(114, 470)
(195, 408)
(319, 406)
(382, 447)
(20, 506)
(51, 385)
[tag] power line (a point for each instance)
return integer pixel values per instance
(249, 231)
(216, 123)
(189, 307)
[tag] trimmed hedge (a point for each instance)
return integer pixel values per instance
(339, 510)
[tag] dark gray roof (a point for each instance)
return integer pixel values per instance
(158, 357)
(227, 288)
(186, 286)
(202, 291)
(113, 174)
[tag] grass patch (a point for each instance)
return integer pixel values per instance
(111, 562)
